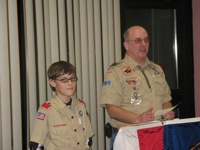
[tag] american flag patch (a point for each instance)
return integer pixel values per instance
(41, 116)
(106, 83)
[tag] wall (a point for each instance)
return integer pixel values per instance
(196, 37)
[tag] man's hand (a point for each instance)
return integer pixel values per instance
(146, 116)
(169, 115)
(125, 116)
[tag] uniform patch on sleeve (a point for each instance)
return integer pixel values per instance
(41, 116)
(106, 82)
(109, 70)
(46, 105)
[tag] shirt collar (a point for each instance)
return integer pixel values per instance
(133, 64)
(58, 103)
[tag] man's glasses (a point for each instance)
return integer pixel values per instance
(139, 40)
(65, 80)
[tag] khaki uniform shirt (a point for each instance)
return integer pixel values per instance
(61, 127)
(135, 88)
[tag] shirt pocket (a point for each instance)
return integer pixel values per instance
(158, 85)
(60, 128)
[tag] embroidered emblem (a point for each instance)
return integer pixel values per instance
(135, 97)
(133, 81)
(58, 125)
(41, 116)
(154, 70)
(109, 70)
(196, 147)
(46, 105)
(80, 113)
(127, 69)
(80, 116)
(106, 82)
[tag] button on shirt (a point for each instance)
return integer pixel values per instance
(149, 85)
(62, 127)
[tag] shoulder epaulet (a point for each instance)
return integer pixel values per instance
(81, 101)
(116, 63)
(46, 105)
(110, 68)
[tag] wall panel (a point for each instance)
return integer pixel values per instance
(62, 29)
(47, 41)
(54, 37)
(5, 100)
(76, 55)
(30, 65)
(15, 90)
(40, 51)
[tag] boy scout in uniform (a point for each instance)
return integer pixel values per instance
(62, 122)
(135, 88)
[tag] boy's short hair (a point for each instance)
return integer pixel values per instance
(60, 68)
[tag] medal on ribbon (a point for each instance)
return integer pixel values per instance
(135, 97)
(80, 116)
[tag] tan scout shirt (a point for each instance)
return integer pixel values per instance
(151, 87)
(60, 127)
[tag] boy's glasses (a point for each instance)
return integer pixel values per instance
(65, 80)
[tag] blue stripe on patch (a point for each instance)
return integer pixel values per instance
(106, 83)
